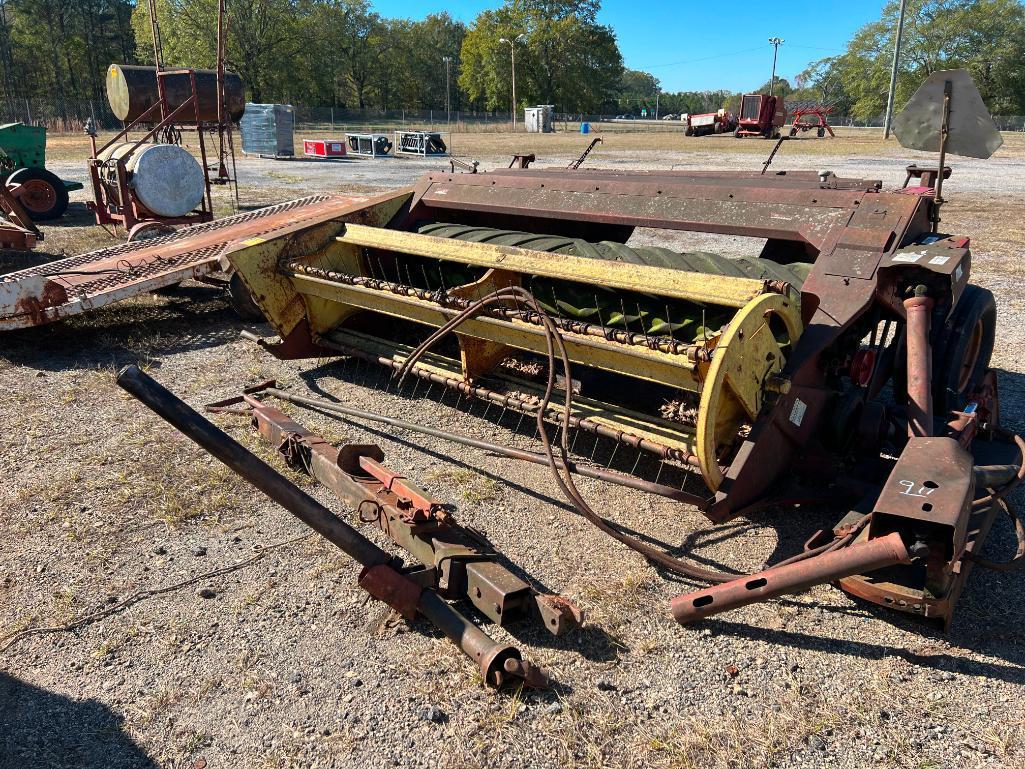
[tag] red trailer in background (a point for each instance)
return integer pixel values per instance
(761, 115)
(719, 122)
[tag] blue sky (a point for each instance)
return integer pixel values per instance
(666, 38)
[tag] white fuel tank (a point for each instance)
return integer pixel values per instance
(164, 178)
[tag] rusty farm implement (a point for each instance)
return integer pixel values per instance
(844, 361)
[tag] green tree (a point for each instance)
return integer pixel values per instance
(985, 36)
(263, 41)
(415, 74)
(636, 89)
(61, 48)
(566, 57)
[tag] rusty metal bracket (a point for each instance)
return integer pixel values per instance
(928, 498)
(464, 565)
(412, 499)
(386, 584)
(380, 575)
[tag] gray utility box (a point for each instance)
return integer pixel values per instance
(268, 130)
(540, 119)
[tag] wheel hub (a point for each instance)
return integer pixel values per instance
(37, 196)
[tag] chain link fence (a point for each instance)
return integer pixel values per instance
(59, 115)
(70, 115)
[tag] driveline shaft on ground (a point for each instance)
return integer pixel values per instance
(497, 663)
(793, 578)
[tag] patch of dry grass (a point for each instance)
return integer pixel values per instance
(616, 138)
(472, 488)
(985, 219)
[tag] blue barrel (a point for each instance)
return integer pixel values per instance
(585, 128)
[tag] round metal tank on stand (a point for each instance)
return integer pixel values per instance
(131, 90)
(164, 178)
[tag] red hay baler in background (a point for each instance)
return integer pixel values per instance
(761, 115)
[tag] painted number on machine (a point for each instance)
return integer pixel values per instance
(910, 486)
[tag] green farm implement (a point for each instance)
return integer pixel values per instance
(41, 193)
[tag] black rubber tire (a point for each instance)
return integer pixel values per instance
(821, 133)
(962, 349)
(241, 300)
(58, 193)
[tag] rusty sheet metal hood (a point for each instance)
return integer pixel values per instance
(793, 206)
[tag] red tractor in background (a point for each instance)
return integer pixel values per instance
(761, 115)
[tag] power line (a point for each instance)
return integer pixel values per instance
(734, 53)
(704, 58)
(816, 48)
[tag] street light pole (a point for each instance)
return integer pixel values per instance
(893, 71)
(776, 42)
(448, 91)
(512, 52)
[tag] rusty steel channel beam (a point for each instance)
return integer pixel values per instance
(791, 578)
(381, 575)
(797, 207)
(461, 565)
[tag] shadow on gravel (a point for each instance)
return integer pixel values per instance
(988, 620)
(189, 317)
(77, 215)
(40, 728)
(1012, 673)
(990, 600)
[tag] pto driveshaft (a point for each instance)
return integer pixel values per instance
(792, 578)
(379, 577)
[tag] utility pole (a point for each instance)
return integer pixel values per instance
(893, 71)
(448, 99)
(512, 52)
(657, 94)
(776, 42)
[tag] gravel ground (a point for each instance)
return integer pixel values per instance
(280, 662)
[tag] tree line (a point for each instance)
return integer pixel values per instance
(62, 48)
(342, 53)
(986, 37)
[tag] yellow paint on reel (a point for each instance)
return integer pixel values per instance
(733, 389)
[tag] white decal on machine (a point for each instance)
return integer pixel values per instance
(797, 412)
